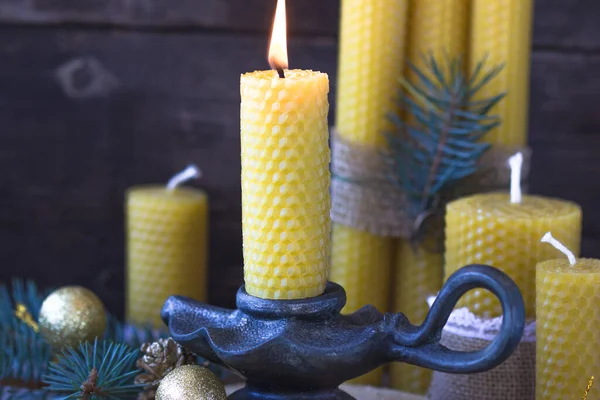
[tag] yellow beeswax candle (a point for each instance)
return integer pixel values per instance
(489, 229)
(418, 275)
(438, 28)
(285, 177)
(166, 246)
(501, 31)
(371, 60)
(285, 183)
(567, 326)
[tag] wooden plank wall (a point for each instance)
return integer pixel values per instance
(99, 95)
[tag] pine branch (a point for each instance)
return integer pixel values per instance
(24, 354)
(437, 137)
(95, 371)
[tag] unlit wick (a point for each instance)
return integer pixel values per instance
(191, 172)
(560, 247)
(516, 165)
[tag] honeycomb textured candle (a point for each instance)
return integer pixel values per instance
(285, 183)
(489, 229)
(567, 326)
(501, 31)
(418, 275)
(166, 249)
(371, 59)
(439, 28)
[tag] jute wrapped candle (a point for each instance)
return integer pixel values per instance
(438, 28)
(371, 59)
(568, 323)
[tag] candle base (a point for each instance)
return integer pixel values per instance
(304, 349)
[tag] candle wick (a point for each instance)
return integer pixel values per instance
(191, 172)
(560, 247)
(280, 72)
(516, 165)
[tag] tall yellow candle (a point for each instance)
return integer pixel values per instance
(371, 61)
(567, 326)
(501, 31)
(285, 177)
(166, 246)
(503, 230)
(438, 28)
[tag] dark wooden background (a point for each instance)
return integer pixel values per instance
(99, 95)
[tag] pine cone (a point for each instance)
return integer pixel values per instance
(158, 359)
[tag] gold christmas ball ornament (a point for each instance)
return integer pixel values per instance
(70, 315)
(191, 382)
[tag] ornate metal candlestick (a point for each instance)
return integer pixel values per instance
(304, 349)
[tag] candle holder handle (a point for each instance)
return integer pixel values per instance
(304, 349)
(420, 345)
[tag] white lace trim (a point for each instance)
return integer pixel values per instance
(463, 322)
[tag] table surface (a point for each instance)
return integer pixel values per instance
(360, 392)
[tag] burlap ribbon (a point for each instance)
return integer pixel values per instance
(512, 380)
(365, 197)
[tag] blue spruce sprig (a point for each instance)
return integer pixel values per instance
(437, 140)
(102, 370)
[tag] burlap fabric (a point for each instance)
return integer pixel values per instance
(363, 193)
(365, 197)
(512, 380)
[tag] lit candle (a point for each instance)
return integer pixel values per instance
(166, 246)
(501, 32)
(568, 324)
(503, 230)
(285, 176)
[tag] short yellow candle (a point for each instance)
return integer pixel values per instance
(501, 31)
(285, 179)
(567, 327)
(166, 247)
(503, 230)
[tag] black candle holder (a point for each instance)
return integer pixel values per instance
(304, 349)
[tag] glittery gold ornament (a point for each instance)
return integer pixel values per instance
(70, 315)
(191, 382)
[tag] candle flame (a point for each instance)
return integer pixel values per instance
(278, 56)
